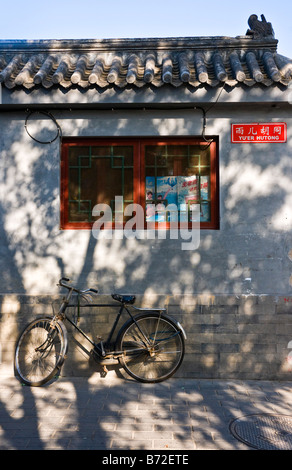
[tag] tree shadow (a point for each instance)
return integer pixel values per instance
(32, 245)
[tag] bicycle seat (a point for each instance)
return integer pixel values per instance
(124, 299)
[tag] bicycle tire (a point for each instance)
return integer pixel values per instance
(40, 351)
(158, 360)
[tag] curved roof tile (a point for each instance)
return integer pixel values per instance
(194, 62)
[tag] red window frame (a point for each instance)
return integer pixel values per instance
(138, 145)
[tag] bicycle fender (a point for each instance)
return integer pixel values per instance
(182, 330)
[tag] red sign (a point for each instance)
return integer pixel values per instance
(273, 132)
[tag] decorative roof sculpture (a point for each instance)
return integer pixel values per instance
(259, 29)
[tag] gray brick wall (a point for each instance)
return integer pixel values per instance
(238, 337)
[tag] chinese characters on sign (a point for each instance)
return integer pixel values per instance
(259, 133)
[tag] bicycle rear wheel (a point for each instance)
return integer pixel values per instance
(152, 346)
(40, 351)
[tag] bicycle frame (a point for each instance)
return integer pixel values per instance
(99, 347)
(113, 329)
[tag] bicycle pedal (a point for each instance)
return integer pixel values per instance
(104, 372)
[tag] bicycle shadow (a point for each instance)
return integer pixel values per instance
(98, 365)
(86, 407)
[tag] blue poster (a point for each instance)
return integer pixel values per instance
(164, 194)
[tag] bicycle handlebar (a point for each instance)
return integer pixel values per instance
(63, 280)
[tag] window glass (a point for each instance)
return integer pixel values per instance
(96, 175)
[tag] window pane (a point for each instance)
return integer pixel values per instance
(97, 175)
(179, 175)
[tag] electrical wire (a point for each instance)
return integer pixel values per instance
(59, 130)
(47, 114)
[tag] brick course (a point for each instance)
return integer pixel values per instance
(238, 337)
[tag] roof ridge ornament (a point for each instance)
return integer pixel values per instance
(259, 29)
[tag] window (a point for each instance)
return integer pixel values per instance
(159, 174)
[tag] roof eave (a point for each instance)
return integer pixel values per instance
(138, 44)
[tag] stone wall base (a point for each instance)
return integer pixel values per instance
(228, 337)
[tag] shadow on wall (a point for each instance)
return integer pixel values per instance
(248, 255)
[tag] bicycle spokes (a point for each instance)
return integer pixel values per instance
(160, 357)
(39, 352)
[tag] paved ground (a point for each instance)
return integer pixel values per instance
(118, 414)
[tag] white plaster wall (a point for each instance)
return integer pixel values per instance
(249, 254)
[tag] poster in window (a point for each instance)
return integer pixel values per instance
(205, 197)
(188, 197)
(150, 188)
(187, 189)
(167, 189)
(150, 198)
(165, 194)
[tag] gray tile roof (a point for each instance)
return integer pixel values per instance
(192, 62)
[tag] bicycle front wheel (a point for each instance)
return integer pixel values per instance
(40, 351)
(152, 347)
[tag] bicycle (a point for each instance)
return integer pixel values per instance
(150, 345)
